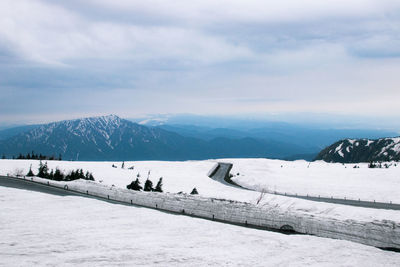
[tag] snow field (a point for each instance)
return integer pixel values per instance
(368, 226)
(42, 229)
(319, 178)
(184, 176)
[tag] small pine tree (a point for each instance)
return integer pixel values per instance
(129, 186)
(371, 165)
(70, 176)
(194, 192)
(58, 175)
(43, 170)
(159, 186)
(30, 173)
(148, 185)
(51, 175)
(135, 185)
(89, 176)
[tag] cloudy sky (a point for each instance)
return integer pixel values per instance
(67, 59)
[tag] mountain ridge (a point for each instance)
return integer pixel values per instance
(112, 138)
(362, 150)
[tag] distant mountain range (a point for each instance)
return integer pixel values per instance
(362, 150)
(113, 138)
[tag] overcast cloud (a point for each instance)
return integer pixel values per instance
(65, 59)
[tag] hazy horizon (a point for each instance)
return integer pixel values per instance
(311, 121)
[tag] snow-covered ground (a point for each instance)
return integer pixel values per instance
(301, 177)
(38, 229)
(184, 176)
(319, 178)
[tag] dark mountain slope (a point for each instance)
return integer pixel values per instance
(362, 150)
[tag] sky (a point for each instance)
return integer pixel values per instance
(68, 59)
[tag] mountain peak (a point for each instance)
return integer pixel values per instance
(110, 117)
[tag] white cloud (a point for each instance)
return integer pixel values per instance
(49, 34)
(214, 56)
(212, 11)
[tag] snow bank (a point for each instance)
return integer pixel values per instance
(88, 232)
(379, 233)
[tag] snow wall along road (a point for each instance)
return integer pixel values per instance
(383, 234)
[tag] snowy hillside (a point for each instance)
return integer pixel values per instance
(362, 150)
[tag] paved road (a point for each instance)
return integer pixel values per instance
(222, 175)
(18, 183)
(29, 185)
(350, 202)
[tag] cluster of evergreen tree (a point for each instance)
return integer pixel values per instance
(79, 174)
(148, 185)
(58, 175)
(35, 156)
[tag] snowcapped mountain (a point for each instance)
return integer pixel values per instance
(113, 138)
(362, 150)
(99, 138)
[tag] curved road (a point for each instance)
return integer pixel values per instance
(221, 174)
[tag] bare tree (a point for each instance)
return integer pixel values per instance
(263, 192)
